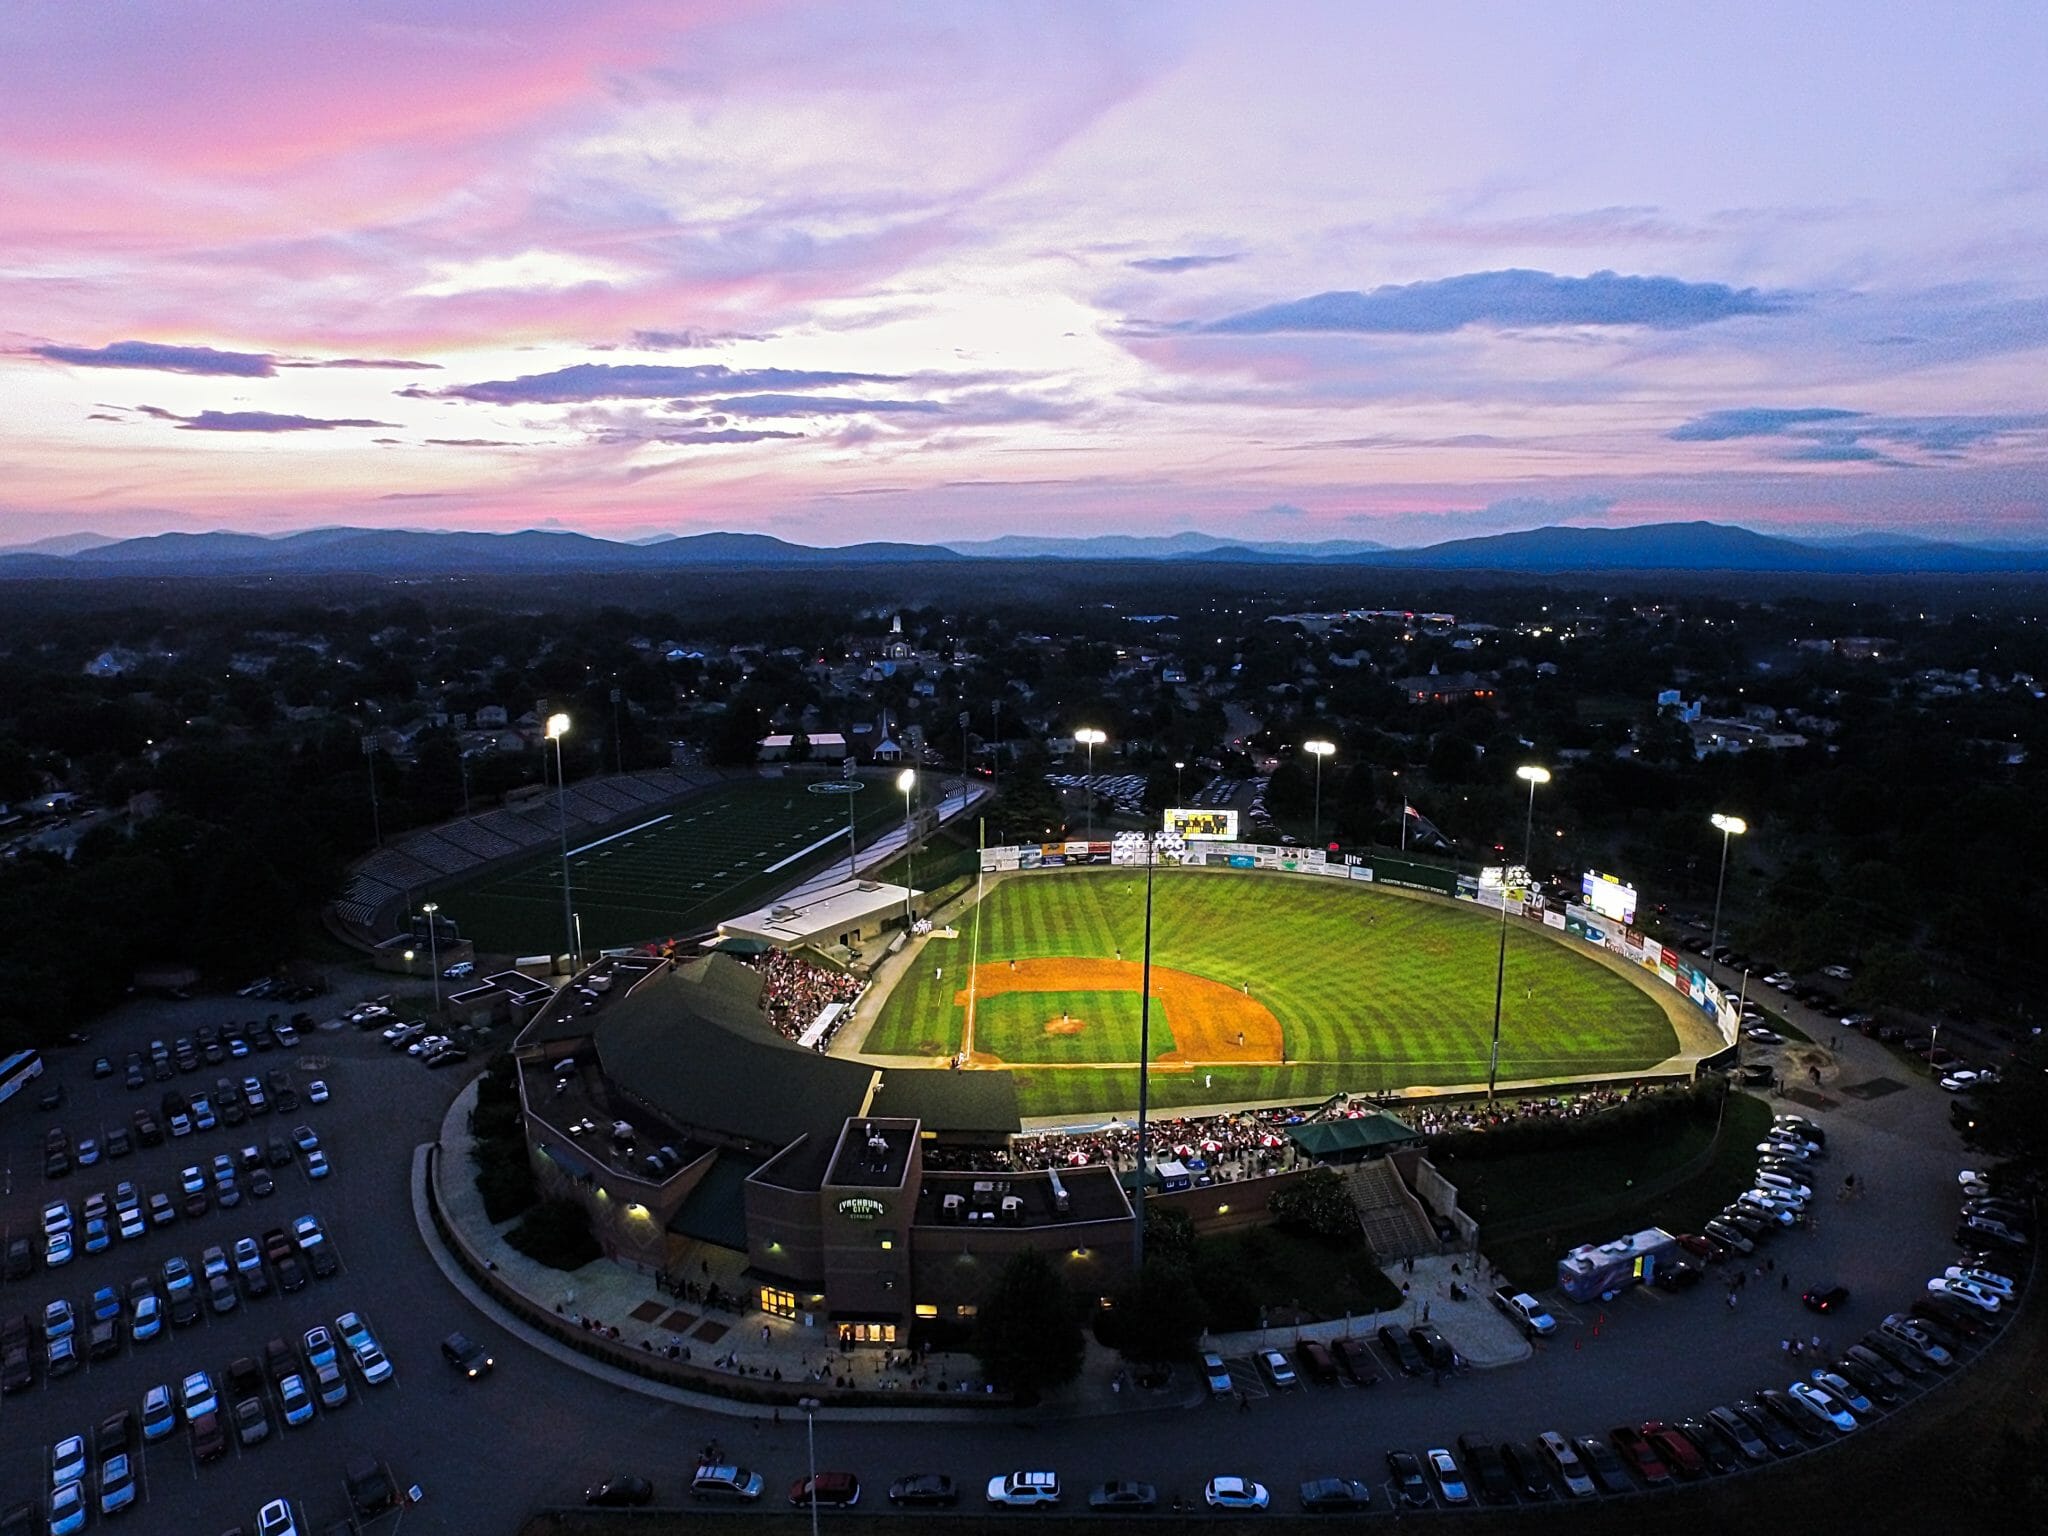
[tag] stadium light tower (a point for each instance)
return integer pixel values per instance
(558, 727)
(907, 781)
(433, 952)
(1729, 826)
(1319, 750)
(1535, 776)
(1090, 738)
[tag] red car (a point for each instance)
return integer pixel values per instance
(839, 1490)
(1676, 1449)
(1314, 1359)
(1700, 1247)
(1356, 1360)
(1640, 1454)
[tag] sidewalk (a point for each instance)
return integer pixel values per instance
(768, 1353)
(1477, 1329)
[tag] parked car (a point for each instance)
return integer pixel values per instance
(1123, 1498)
(1020, 1490)
(1336, 1495)
(1234, 1493)
(620, 1493)
(924, 1490)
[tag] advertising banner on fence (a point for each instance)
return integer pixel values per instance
(1413, 876)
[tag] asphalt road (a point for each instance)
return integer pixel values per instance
(538, 1432)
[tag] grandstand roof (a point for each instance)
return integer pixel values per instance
(716, 1211)
(822, 916)
(694, 1046)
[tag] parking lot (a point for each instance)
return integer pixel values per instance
(337, 1162)
(537, 1431)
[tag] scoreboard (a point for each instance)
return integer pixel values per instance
(1203, 826)
(1609, 897)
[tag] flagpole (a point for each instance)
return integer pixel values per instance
(1404, 826)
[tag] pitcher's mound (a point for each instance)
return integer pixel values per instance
(1064, 1026)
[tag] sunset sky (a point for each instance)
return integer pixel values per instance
(936, 272)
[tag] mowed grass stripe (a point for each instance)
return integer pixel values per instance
(1382, 990)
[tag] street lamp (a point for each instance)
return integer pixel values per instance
(1319, 750)
(1090, 738)
(810, 1407)
(1178, 793)
(433, 953)
(558, 727)
(907, 781)
(1730, 826)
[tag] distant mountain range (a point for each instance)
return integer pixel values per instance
(1699, 546)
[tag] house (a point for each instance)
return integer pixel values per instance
(1432, 688)
(824, 745)
(492, 717)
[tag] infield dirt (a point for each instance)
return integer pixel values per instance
(1212, 1022)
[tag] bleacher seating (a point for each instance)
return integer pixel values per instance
(480, 844)
(431, 848)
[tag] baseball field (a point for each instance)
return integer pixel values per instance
(710, 858)
(1263, 987)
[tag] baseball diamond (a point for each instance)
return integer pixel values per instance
(1263, 985)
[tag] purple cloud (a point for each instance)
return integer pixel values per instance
(1506, 300)
(1172, 264)
(1753, 421)
(637, 381)
(257, 421)
(819, 405)
(689, 339)
(362, 362)
(162, 359)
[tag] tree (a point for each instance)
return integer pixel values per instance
(1317, 1203)
(1026, 1335)
(1159, 1317)
(556, 1233)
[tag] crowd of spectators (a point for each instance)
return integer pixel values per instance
(1247, 1144)
(794, 992)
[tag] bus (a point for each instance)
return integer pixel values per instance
(17, 1071)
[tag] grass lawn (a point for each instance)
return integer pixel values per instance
(1032, 1026)
(716, 856)
(1371, 990)
(1293, 1273)
(1530, 1260)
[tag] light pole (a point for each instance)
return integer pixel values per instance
(1319, 750)
(1144, 1064)
(1178, 792)
(1090, 738)
(810, 1406)
(433, 952)
(1730, 826)
(1535, 776)
(558, 727)
(907, 781)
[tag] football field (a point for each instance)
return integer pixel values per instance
(713, 857)
(1264, 986)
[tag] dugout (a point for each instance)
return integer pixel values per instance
(850, 915)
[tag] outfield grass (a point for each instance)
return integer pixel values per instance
(1029, 1026)
(1372, 991)
(715, 856)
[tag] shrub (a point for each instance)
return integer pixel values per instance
(556, 1233)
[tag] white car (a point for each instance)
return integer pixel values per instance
(1822, 1404)
(1843, 1391)
(1756, 1034)
(1217, 1374)
(276, 1519)
(1999, 1285)
(1021, 1490)
(57, 1217)
(1450, 1482)
(67, 1461)
(316, 1091)
(57, 1250)
(1784, 981)
(1838, 972)
(1963, 1077)
(1967, 1291)
(1235, 1493)
(67, 1509)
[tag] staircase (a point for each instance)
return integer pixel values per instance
(1393, 1219)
